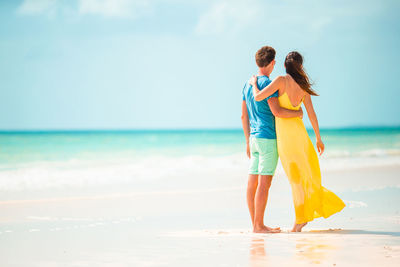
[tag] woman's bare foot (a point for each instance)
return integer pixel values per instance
(298, 227)
(266, 229)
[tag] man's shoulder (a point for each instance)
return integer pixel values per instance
(245, 90)
(263, 81)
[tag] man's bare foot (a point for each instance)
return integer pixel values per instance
(266, 229)
(270, 228)
(298, 227)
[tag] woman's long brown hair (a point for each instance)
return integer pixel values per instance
(294, 67)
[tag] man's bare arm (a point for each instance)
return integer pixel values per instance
(246, 126)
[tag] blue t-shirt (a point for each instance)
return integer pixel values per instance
(262, 121)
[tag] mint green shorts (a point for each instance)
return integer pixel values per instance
(264, 156)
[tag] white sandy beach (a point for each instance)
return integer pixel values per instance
(201, 222)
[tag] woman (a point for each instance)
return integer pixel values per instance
(297, 153)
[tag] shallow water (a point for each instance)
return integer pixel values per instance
(37, 160)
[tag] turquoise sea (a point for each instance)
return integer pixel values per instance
(27, 146)
(45, 159)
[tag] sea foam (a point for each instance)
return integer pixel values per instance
(157, 168)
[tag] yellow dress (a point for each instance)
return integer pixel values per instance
(300, 162)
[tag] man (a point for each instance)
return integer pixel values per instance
(259, 129)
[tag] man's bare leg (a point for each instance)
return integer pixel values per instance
(251, 192)
(261, 197)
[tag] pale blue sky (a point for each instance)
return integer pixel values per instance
(91, 64)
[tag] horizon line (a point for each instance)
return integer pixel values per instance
(66, 130)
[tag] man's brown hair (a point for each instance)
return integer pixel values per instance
(264, 56)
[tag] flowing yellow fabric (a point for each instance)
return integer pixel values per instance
(300, 162)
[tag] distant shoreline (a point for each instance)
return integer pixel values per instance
(198, 130)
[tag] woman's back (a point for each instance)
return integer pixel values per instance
(294, 92)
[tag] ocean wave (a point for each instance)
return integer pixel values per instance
(153, 169)
(88, 173)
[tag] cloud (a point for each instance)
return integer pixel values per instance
(111, 8)
(36, 7)
(227, 16)
(106, 8)
(290, 16)
(233, 16)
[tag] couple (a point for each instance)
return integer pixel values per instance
(266, 137)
